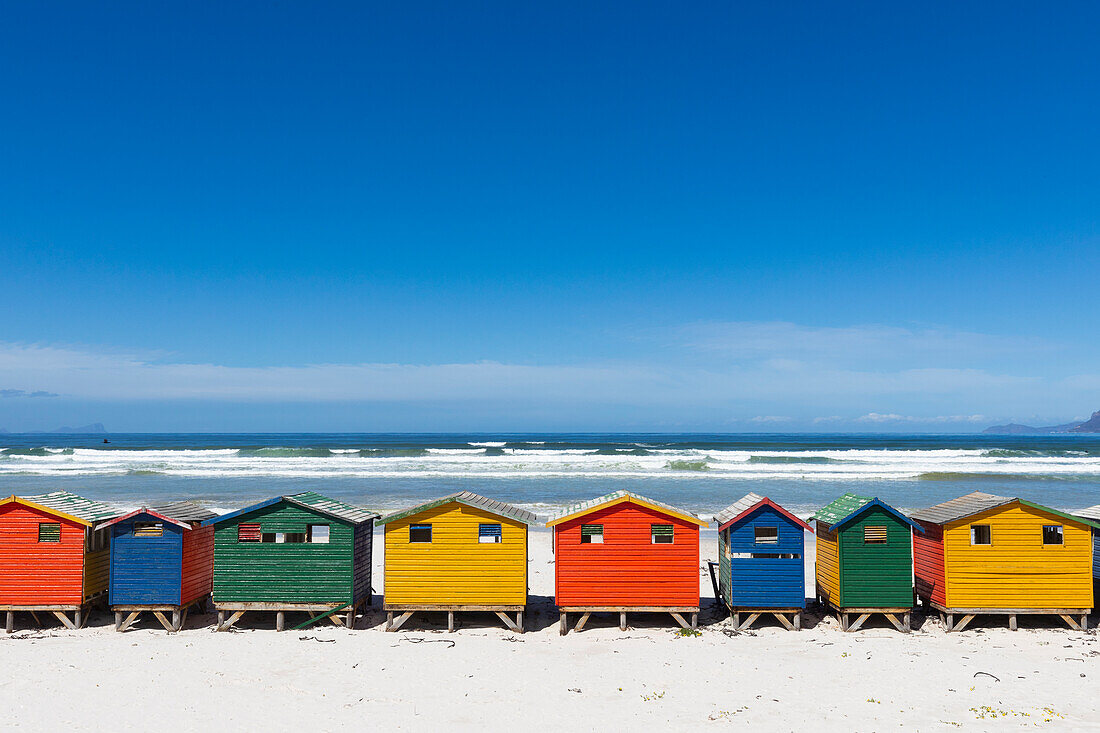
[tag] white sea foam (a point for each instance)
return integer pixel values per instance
(668, 463)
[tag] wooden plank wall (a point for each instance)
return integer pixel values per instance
(145, 570)
(263, 572)
(928, 563)
(768, 582)
(454, 568)
(877, 576)
(37, 573)
(627, 569)
(197, 574)
(362, 550)
(1017, 570)
(827, 570)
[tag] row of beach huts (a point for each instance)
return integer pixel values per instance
(979, 554)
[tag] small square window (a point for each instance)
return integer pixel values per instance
(767, 535)
(488, 534)
(874, 535)
(317, 534)
(591, 534)
(248, 533)
(290, 538)
(49, 532)
(148, 529)
(420, 533)
(661, 534)
(1052, 534)
(981, 534)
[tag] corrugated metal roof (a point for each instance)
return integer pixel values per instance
(584, 506)
(76, 506)
(468, 498)
(184, 511)
(737, 508)
(959, 507)
(840, 508)
(1092, 512)
(332, 506)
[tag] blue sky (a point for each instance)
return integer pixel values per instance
(519, 216)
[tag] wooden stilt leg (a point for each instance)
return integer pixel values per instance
(622, 620)
(163, 620)
(798, 621)
(78, 618)
(855, 625)
(280, 620)
(10, 626)
(393, 624)
(128, 620)
(582, 621)
(118, 620)
(1012, 622)
(450, 621)
(228, 623)
(1084, 622)
(64, 619)
(782, 618)
(694, 620)
(351, 619)
(177, 619)
(563, 624)
(908, 622)
(736, 621)
(680, 620)
(519, 621)
(843, 622)
(389, 620)
(221, 619)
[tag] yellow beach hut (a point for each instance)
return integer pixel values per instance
(462, 552)
(982, 554)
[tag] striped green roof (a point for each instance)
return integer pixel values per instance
(76, 506)
(332, 506)
(841, 508)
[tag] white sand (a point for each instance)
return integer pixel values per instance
(600, 679)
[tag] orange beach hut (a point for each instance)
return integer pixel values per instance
(52, 559)
(624, 553)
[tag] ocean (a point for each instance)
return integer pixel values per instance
(701, 472)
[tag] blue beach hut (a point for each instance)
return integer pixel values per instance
(161, 561)
(761, 551)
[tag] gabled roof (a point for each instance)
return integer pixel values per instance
(963, 506)
(1092, 512)
(737, 508)
(742, 508)
(179, 513)
(977, 502)
(620, 497)
(67, 505)
(184, 511)
(309, 500)
(1057, 513)
(833, 514)
(840, 508)
(144, 511)
(470, 499)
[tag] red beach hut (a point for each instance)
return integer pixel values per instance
(624, 553)
(52, 559)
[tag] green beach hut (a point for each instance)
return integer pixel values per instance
(303, 552)
(865, 561)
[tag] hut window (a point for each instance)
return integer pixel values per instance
(874, 535)
(49, 532)
(318, 534)
(1052, 534)
(767, 535)
(488, 533)
(981, 534)
(248, 533)
(420, 533)
(96, 541)
(661, 534)
(148, 529)
(284, 538)
(591, 534)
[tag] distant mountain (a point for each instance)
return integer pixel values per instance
(1092, 425)
(96, 427)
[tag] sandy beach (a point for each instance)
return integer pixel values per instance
(484, 677)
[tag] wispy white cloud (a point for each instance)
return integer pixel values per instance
(778, 340)
(11, 393)
(770, 419)
(880, 418)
